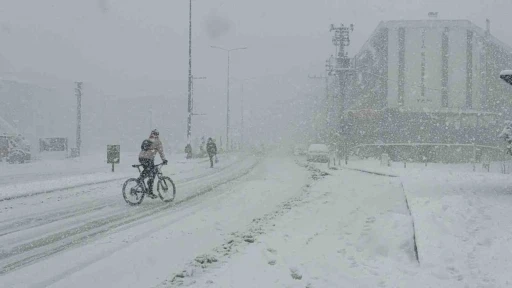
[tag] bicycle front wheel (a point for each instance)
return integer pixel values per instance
(166, 189)
(133, 192)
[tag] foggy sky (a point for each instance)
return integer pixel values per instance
(133, 48)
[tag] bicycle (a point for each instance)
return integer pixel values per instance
(140, 189)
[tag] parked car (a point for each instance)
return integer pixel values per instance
(318, 153)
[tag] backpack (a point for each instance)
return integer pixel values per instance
(146, 145)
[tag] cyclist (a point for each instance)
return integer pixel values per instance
(149, 148)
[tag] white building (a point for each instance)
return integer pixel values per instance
(431, 65)
(429, 81)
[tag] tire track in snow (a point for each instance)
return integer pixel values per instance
(41, 248)
(36, 220)
(245, 237)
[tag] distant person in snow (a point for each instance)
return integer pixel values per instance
(211, 149)
(506, 134)
(188, 151)
(149, 148)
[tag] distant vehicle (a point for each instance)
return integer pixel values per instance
(318, 153)
(14, 148)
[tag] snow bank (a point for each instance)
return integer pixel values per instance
(463, 226)
(462, 220)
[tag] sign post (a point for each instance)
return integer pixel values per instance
(113, 155)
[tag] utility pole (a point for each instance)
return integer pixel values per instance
(341, 39)
(341, 70)
(227, 108)
(189, 122)
(242, 118)
(78, 92)
(227, 92)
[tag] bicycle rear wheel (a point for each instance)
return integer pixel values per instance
(133, 192)
(166, 189)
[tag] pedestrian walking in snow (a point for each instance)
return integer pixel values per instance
(211, 149)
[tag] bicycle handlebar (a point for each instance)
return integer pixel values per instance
(140, 165)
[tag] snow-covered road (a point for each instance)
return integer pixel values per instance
(91, 238)
(37, 227)
(354, 229)
(349, 229)
(271, 222)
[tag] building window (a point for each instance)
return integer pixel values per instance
(401, 66)
(444, 67)
(469, 70)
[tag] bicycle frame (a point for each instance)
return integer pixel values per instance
(158, 174)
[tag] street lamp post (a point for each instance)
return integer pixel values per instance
(189, 122)
(78, 92)
(227, 92)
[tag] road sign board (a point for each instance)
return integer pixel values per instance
(113, 154)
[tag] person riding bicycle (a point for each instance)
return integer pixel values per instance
(149, 148)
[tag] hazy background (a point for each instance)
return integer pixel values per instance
(124, 50)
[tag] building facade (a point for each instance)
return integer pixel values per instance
(433, 81)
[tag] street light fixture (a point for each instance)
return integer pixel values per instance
(227, 93)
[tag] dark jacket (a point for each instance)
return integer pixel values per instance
(211, 148)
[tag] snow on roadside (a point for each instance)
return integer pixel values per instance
(346, 230)
(463, 226)
(462, 221)
(26, 188)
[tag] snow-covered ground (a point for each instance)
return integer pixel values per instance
(90, 237)
(348, 229)
(353, 229)
(273, 222)
(463, 226)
